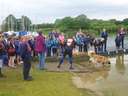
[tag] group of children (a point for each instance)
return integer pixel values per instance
(12, 51)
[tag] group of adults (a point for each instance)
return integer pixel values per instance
(17, 50)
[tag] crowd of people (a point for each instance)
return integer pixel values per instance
(20, 50)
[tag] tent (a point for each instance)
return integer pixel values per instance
(23, 33)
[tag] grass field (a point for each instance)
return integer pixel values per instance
(44, 84)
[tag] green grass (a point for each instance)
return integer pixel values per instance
(44, 84)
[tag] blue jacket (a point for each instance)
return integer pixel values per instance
(104, 35)
(17, 46)
(24, 52)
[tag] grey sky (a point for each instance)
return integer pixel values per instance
(40, 11)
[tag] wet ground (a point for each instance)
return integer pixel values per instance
(112, 82)
(111, 43)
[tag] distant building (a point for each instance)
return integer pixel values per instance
(13, 24)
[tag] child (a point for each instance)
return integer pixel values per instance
(67, 50)
(11, 53)
(26, 57)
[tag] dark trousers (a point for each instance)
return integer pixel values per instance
(49, 51)
(122, 41)
(80, 48)
(68, 52)
(85, 48)
(54, 51)
(105, 46)
(26, 68)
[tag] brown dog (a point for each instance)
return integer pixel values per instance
(98, 59)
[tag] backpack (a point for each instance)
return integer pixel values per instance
(11, 49)
(48, 43)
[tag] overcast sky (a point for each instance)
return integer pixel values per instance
(40, 11)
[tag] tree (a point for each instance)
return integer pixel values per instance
(66, 23)
(82, 22)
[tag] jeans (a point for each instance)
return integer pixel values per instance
(26, 68)
(49, 51)
(69, 57)
(41, 60)
(5, 59)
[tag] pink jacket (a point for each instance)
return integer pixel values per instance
(40, 44)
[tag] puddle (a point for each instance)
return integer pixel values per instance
(113, 82)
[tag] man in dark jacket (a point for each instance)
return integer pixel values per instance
(104, 35)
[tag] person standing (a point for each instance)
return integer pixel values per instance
(25, 52)
(11, 53)
(122, 35)
(118, 41)
(2, 50)
(104, 35)
(40, 48)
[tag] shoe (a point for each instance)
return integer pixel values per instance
(29, 78)
(58, 66)
(71, 68)
(2, 76)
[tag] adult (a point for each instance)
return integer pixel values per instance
(104, 35)
(122, 35)
(40, 48)
(117, 41)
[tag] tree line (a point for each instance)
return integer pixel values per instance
(68, 25)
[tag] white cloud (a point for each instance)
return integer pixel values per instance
(113, 2)
(47, 11)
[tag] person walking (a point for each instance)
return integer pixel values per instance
(68, 51)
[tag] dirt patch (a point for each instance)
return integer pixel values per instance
(88, 87)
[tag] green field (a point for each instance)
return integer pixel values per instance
(44, 84)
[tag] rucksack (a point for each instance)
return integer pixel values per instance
(11, 50)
